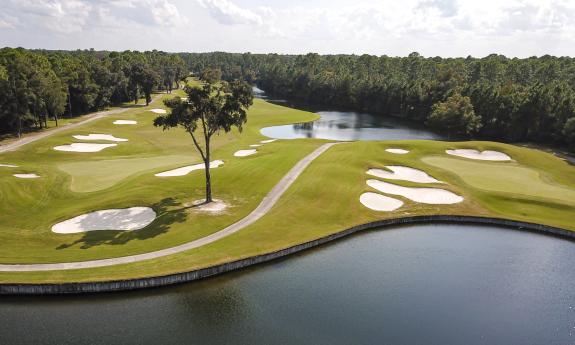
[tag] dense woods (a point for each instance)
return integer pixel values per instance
(492, 98)
(39, 85)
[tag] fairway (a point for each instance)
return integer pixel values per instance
(325, 199)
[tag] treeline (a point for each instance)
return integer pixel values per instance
(37, 85)
(494, 97)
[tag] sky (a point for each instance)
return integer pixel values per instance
(448, 28)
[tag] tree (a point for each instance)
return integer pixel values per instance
(455, 115)
(569, 132)
(207, 111)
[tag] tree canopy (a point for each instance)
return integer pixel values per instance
(214, 107)
(528, 99)
(37, 84)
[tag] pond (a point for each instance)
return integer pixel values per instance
(424, 284)
(348, 125)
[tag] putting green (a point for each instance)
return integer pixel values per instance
(505, 178)
(92, 176)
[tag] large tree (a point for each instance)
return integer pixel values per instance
(455, 116)
(208, 110)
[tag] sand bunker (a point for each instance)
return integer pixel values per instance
(421, 195)
(107, 137)
(125, 219)
(255, 145)
(484, 156)
(268, 141)
(378, 202)
(243, 153)
(187, 169)
(26, 176)
(8, 166)
(125, 122)
(397, 151)
(216, 206)
(83, 147)
(403, 173)
(158, 111)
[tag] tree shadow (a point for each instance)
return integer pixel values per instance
(165, 217)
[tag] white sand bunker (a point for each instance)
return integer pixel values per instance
(243, 153)
(8, 166)
(107, 137)
(403, 173)
(397, 151)
(124, 219)
(378, 202)
(255, 145)
(484, 156)
(26, 175)
(158, 111)
(421, 195)
(216, 206)
(268, 141)
(83, 147)
(125, 122)
(187, 169)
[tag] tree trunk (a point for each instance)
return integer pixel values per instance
(208, 176)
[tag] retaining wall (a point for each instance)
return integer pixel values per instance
(131, 284)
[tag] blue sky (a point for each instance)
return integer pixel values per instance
(393, 27)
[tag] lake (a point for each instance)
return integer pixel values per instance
(423, 284)
(347, 126)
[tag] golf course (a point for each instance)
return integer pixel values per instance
(286, 192)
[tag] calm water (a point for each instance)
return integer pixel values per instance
(346, 125)
(428, 284)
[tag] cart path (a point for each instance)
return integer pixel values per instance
(46, 133)
(263, 208)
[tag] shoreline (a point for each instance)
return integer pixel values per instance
(189, 276)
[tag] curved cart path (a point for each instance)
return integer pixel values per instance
(89, 118)
(267, 203)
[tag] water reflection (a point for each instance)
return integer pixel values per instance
(426, 284)
(345, 125)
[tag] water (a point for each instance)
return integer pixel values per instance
(425, 284)
(347, 125)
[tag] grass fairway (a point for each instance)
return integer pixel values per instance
(72, 184)
(534, 187)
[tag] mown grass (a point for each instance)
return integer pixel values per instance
(123, 176)
(324, 200)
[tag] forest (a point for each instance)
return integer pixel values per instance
(494, 98)
(37, 85)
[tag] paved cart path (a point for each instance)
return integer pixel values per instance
(46, 133)
(267, 203)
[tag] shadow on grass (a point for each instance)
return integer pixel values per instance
(165, 218)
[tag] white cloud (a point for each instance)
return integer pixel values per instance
(226, 12)
(432, 27)
(71, 16)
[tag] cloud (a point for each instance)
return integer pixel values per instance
(72, 16)
(228, 13)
